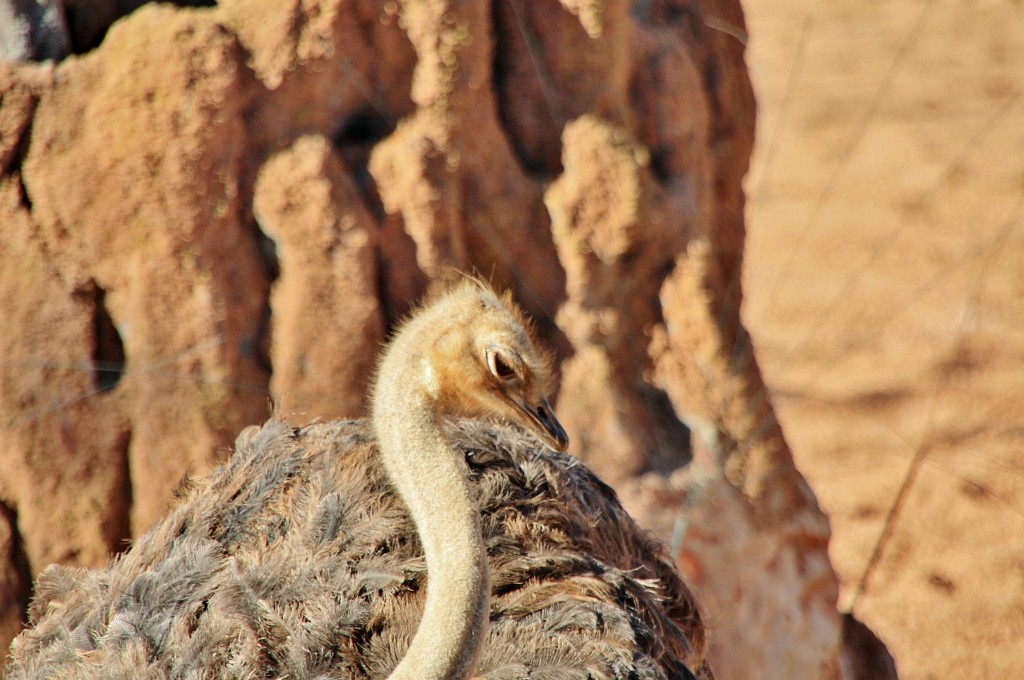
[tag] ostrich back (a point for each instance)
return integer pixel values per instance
(295, 559)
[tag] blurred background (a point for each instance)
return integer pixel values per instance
(885, 295)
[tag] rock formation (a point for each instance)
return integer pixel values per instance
(219, 208)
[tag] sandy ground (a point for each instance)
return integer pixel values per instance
(885, 296)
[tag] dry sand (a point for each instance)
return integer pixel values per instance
(885, 296)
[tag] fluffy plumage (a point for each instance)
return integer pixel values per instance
(296, 559)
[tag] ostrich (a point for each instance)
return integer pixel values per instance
(441, 540)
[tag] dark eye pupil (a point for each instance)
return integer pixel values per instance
(501, 369)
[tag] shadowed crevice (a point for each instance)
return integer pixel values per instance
(107, 357)
(88, 22)
(267, 249)
(363, 128)
(107, 348)
(18, 578)
(12, 164)
(116, 526)
(399, 278)
(23, 195)
(354, 140)
(523, 87)
(673, 445)
(864, 656)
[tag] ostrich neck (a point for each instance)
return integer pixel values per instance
(430, 478)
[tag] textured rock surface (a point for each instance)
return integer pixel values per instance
(744, 509)
(308, 204)
(222, 207)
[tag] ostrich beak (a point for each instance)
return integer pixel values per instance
(543, 423)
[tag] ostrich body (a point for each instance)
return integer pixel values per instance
(496, 557)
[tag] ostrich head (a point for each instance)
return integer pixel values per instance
(484, 362)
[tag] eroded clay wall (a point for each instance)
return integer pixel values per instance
(219, 209)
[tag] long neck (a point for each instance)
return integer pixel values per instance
(431, 480)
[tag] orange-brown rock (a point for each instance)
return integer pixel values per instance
(220, 208)
(327, 323)
(132, 181)
(614, 240)
(746, 509)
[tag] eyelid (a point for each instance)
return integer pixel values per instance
(510, 360)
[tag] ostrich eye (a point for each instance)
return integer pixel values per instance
(499, 366)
